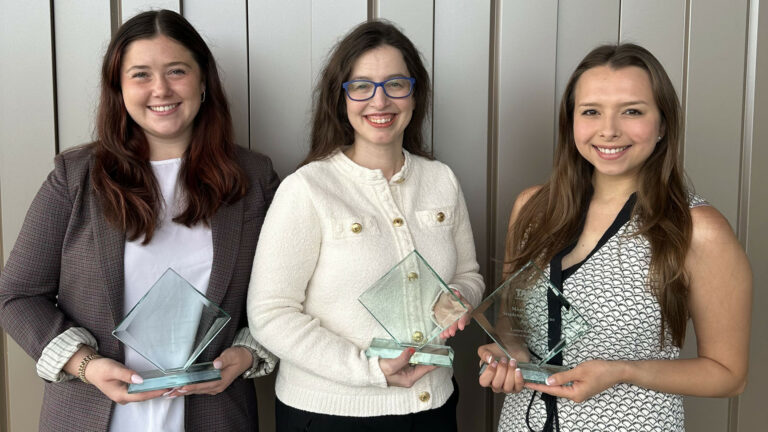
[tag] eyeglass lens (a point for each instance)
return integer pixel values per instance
(363, 89)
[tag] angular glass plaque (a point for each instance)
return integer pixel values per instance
(170, 326)
(516, 317)
(414, 306)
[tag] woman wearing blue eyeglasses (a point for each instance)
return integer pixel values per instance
(367, 194)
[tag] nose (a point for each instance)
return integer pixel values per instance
(609, 129)
(161, 87)
(379, 99)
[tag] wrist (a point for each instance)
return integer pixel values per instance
(624, 371)
(84, 365)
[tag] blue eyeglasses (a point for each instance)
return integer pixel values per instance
(395, 88)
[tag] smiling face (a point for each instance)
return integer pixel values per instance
(162, 86)
(381, 120)
(616, 121)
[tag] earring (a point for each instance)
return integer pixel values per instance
(658, 138)
(202, 98)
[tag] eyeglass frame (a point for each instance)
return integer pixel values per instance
(345, 86)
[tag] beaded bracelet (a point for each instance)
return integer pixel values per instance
(84, 364)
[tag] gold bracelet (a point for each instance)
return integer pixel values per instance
(83, 364)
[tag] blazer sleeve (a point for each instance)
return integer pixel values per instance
(29, 282)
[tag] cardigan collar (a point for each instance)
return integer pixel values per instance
(366, 175)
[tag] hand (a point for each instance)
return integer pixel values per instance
(501, 374)
(447, 303)
(232, 362)
(588, 379)
(112, 379)
(400, 373)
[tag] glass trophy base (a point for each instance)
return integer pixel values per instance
(157, 379)
(432, 355)
(538, 374)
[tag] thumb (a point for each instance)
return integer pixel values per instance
(129, 376)
(402, 360)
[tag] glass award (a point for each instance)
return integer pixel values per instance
(414, 306)
(170, 326)
(516, 317)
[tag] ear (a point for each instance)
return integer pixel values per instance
(662, 129)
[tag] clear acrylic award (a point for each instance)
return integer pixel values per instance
(516, 317)
(414, 306)
(170, 326)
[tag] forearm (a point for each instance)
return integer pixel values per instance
(702, 377)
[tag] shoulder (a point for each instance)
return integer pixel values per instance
(709, 225)
(75, 159)
(253, 162)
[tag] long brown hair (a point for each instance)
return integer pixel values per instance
(122, 175)
(550, 220)
(330, 125)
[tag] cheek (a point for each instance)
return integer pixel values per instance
(581, 132)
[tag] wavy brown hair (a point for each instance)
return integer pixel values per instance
(551, 219)
(330, 125)
(122, 175)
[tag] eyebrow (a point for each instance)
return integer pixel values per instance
(595, 104)
(144, 67)
(397, 75)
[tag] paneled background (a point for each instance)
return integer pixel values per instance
(498, 66)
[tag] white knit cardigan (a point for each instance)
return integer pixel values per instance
(311, 266)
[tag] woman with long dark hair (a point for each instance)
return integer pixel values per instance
(635, 252)
(163, 186)
(367, 194)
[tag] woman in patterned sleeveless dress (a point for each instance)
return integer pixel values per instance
(617, 230)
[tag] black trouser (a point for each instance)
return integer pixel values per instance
(443, 419)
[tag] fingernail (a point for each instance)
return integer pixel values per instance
(550, 381)
(182, 391)
(171, 397)
(168, 392)
(217, 364)
(518, 371)
(490, 358)
(136, 379)
(494, 364)
(504, 360)
(411, 351)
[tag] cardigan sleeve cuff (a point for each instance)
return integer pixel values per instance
(264, 362)
(57, 353)
(377, 376)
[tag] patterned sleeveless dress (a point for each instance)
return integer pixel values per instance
(610, 288)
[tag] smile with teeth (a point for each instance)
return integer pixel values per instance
(380, 119)
(163, 108)
(612, 150)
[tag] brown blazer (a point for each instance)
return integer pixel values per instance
(66, 270)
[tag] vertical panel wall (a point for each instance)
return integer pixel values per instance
(224, 27)
(27, 147)
(752, 413)
(526, 99)
(498, 69)
(82, 35)
(713, 137)
(460, 131)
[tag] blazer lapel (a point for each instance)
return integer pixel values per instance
(110, 248)
(226, 228)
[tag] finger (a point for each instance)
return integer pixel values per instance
(140, 397)
(486, 378)
(509, 379)
(399, 362)
(562, 378)
(559, 391)
(486, 356)
(501, 375)
(419, 371)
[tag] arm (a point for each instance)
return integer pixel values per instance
(285, 260)
(502, 374)
(719, 304)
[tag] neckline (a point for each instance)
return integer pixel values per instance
(621, 218)
(368, 175)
